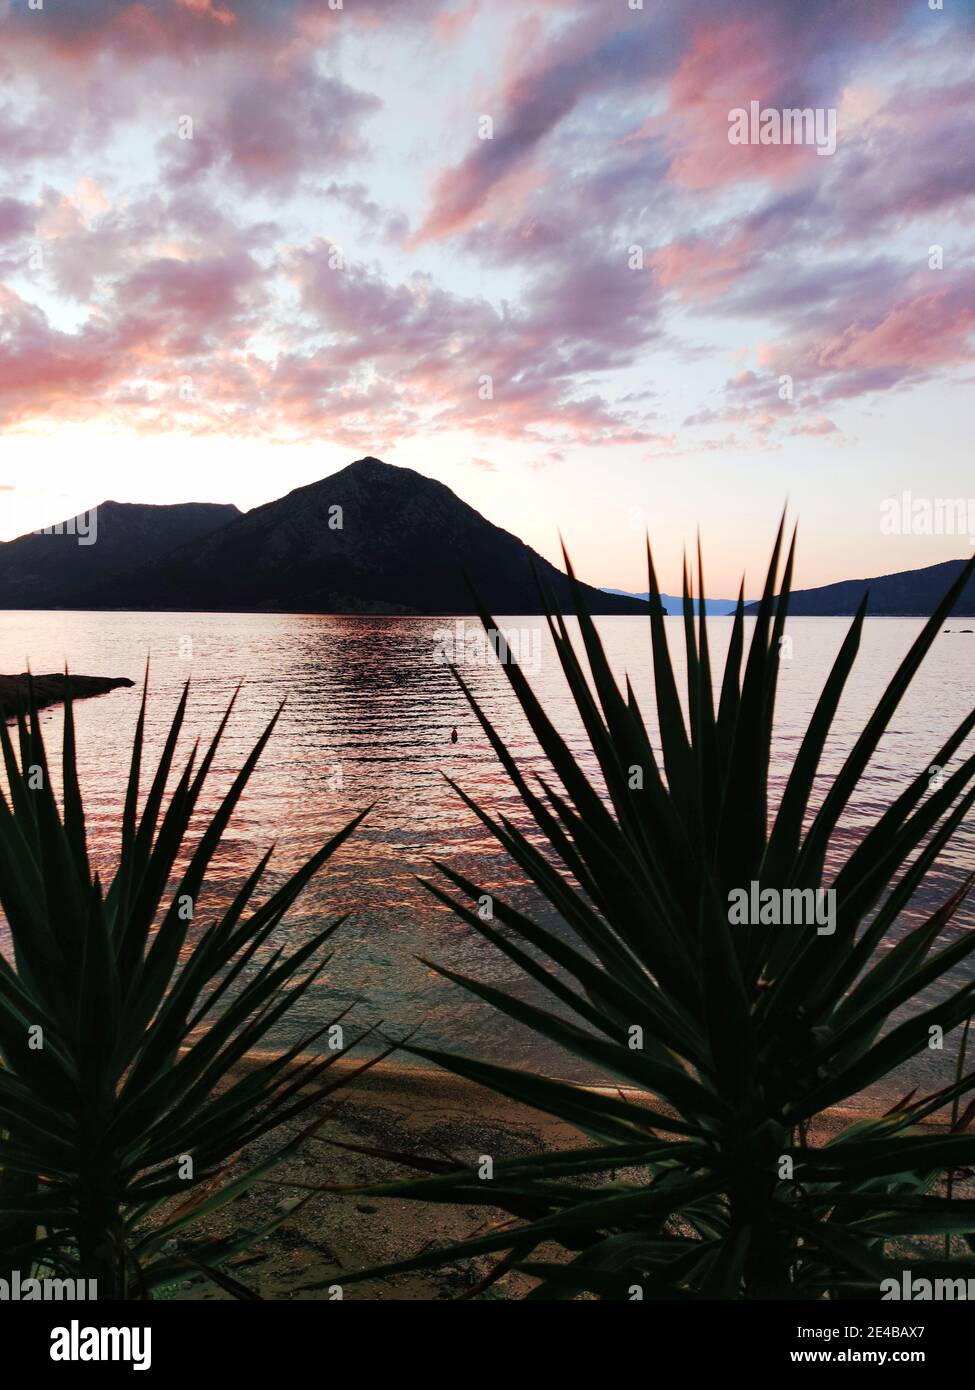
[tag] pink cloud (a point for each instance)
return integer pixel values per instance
(703, 267)
(727, 66)
(819, 425)
(535, 99)
(899, 339)
(176, 278)
(441, 349)
(16, 219)
(184, 307)
(927, 329)
(212, 10)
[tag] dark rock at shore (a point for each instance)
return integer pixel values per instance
(49, 690)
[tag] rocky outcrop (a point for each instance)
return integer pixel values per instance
(49, 690)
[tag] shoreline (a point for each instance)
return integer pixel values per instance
(431, 1084)
(402, 1109)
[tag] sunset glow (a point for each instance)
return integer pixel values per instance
(244, 243)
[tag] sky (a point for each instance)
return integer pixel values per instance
(513, 247)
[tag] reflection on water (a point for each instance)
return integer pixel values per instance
(369, 713)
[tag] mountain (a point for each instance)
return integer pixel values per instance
(713, 607)
(908, 594)
(52, 570)
(371, 538)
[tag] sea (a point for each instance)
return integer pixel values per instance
(370, 706)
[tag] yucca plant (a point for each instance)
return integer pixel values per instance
(120, 1106)
(718, 1042)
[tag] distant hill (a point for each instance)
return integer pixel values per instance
(371, 538)
(716, 607)
(908, 594)
(52, 571)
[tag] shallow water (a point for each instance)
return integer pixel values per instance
(370, 708)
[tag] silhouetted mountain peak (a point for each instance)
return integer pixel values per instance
(370, 538)
(370, 471)
(372, 474)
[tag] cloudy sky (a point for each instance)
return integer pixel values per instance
(243, 243)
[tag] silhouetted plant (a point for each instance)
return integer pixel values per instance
(119, 1103)
(718, 1044)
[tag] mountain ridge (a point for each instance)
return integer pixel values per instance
(370, 538)
(38, 568)
(902, 594)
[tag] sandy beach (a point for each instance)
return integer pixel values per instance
(390, 1107)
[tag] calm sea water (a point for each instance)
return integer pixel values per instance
(370, 708)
